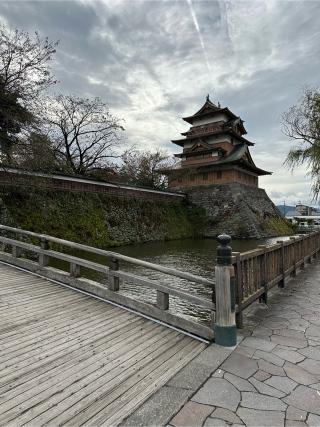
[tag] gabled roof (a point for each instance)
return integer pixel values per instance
(209, 108)
(197, 144)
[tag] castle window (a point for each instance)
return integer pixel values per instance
(205, 176)
(219, 174)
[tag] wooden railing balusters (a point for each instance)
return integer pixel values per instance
(282, 264)
(264, 296)
(114, 282)
(44, 259)
(239, 290)
(294, 246)
(74, 270)
(16, 251)
(162, 300)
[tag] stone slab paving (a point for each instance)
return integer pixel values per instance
(273, 377)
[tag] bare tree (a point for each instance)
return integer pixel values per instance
(24, 74)
(24, 63)
(302, 124)
(85, 135)
(144, 168)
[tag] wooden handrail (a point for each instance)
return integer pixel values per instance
(112, 255)
(159, 310)
(260, 269)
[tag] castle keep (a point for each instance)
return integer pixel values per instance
(217, 172)
(214, 151)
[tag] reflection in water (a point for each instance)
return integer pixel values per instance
(195, 256)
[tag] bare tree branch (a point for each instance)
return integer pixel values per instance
(83, 131)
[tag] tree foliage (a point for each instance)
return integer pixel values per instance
(142, 168)
(84, 134)
(302, 124)
(13, 119)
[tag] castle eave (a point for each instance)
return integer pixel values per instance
(240, 138)
(212, 112)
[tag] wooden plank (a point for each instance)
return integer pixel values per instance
(55, 325)
(51, 403)
(133, 401)
(22, 364)
(53, 390)
(102, 357)
(74, 357)
(110, 345)
(32, 345)
(109, 391)
(98, 412)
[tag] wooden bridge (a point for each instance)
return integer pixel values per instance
(67, 358)
(78, 352)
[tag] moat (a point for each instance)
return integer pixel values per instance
(195, 256)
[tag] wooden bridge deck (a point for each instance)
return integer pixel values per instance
(69, 359)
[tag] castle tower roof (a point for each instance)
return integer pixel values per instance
(209, 109)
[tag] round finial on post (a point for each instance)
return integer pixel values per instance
(224, 251)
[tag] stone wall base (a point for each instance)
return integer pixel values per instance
(238, 210)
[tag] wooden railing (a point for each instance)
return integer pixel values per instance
(115, 276)
(257, 271)
(253, 274)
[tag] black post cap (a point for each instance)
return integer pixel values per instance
(224, 251)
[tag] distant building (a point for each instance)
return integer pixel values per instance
(305, 210)
(214, 151)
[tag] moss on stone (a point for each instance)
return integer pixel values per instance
(97, 219)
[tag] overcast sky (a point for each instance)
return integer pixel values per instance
(154, 62)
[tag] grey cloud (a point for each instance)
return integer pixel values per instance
(145, 59)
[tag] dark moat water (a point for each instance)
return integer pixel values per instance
(195, 256)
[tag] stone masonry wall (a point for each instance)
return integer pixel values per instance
(239, 210)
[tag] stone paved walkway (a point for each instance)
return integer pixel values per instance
(273, 377)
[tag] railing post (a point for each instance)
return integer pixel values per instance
(294, 272)
(239, 291)
(44, 259)
(264, 296)
(75, 270)
(302, 243)
(16, 252)
(114, 282)
(225, 330)
(281, 283)
(162, 300)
